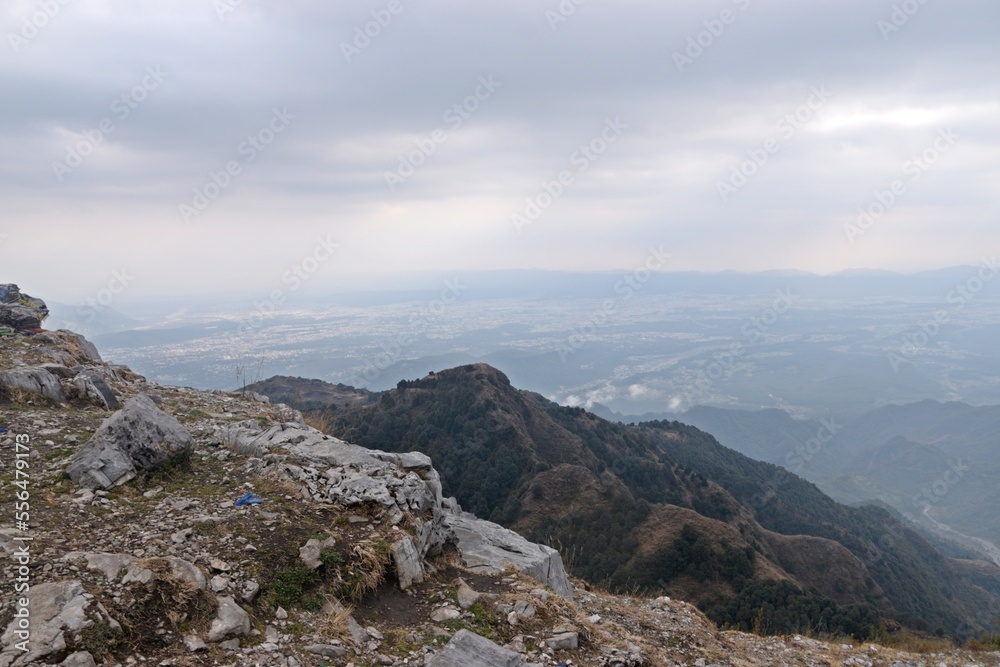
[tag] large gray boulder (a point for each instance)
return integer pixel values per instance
(467, 648)
(54, 609)
(489, 548)
(140, 436)
(33, 381)
(20, 311)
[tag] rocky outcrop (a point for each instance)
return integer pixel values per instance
(78, 345)
(20, 311)
(57, 383)
(330, 470)
(138, 437)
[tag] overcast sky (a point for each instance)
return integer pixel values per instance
(736, 134)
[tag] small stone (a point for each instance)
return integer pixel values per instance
(231, 621)
(181, 536)
(524, 610)
(78, 659)
(249, 590)
(219, 583)
(540, 593)
(570, 641)
(373, 633)
(281, 614)
(467, 597)
(310, 553)
(445, 614)
(219, 565)
(326, 650)
(194, 643)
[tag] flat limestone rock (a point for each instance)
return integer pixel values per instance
(55, 609)
(488, 548)
(34, 381)
(467, 648)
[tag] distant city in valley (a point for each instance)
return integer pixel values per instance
(809, 345)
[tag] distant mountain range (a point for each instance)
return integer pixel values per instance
(662, 506)
(938, 464)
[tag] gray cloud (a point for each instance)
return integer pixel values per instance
(890, 94)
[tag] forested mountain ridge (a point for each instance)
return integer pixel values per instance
(663, 506)
(937, 464)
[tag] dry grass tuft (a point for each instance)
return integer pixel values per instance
(335, 623)
(369, 562)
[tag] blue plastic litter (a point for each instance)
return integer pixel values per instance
(248, 498)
